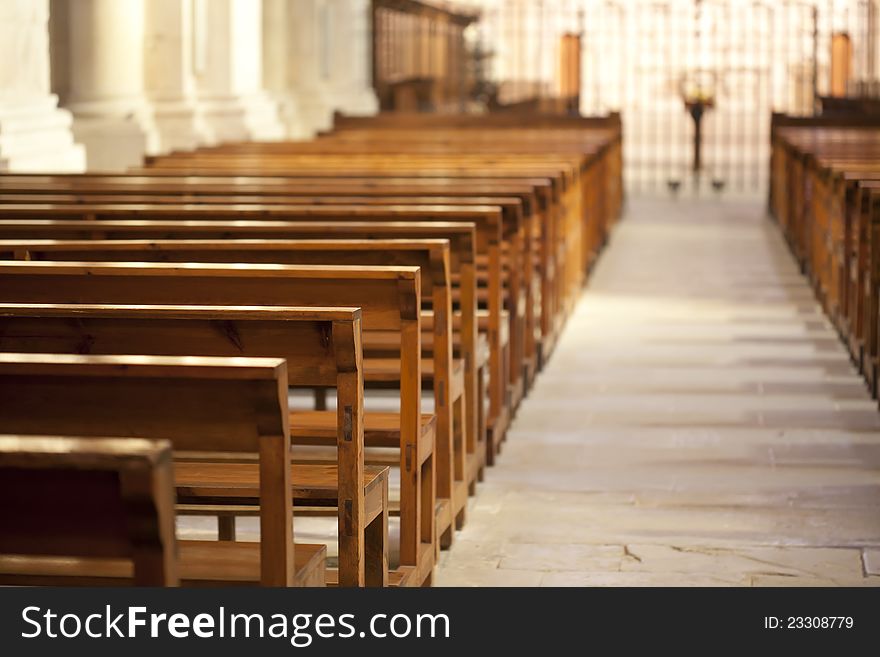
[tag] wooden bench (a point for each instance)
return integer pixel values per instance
(490, 244)
(444, 148)
(445, 374)
(199, 404)
(864, 282)
(320, 346)
(825, 174)
(471, 244)
(520, 220)
(473, 350)
(491, 164)
(120, 505)
(389, 298)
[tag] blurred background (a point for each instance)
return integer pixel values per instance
(100, 84)
(655, 61)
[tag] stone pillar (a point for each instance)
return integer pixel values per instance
(229, 73)
(351, 57)
(105, 80)
(168, 76)
(279, 72)
(308, 66)
(35, 134)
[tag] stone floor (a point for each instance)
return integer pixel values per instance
(698, 424)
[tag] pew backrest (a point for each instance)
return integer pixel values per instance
(89, 498)
(389, 298)
(198, 404)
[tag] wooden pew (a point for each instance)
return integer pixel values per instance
(520, 220)
(824, 179)
(120, 505)
(866, 318)
(511, 286)
(462, 239)
(321, 347)
(432, 256)
(467, 166)
(199, 404)
(445, 147)
(445, 150)
(389, 298)
(424, 121)
(475, 255)
(413, 152)
(558, 205)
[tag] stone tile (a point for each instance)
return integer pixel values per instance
(699, 410)
(469, 553)
(196, 528)
(871, 561)
(828, 563)
(538, 556)
(632, 578)
(479, 576)
(783, 581)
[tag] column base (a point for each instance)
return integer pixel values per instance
(356, 101)
(241, 118)
(262, 118)
(35, 136)
(316, 113)
(179, 127)
(224, 120)
(111, 143)
(289, 113)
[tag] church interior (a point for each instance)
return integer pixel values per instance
(412, 293)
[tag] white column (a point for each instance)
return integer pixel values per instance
(308, 66)
(279, 71)
(351, 57)
(168, 76)
(229, 76)
(105, 78)
(35, 134)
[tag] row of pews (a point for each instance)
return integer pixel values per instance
(825, 194)
(161, 332)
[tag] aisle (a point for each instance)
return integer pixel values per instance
(699, 424)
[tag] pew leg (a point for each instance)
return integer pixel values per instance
(481, 422)
(320, 399)
(462, 465)
(446, 538)
(428, 507)
(490, 443)
(226, 527)
(376, 547)
(459, 444)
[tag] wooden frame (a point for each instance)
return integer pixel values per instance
(389, 298)
(199, 404)
(321, 347)
(121, 503)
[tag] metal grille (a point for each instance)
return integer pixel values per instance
(645, 57)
